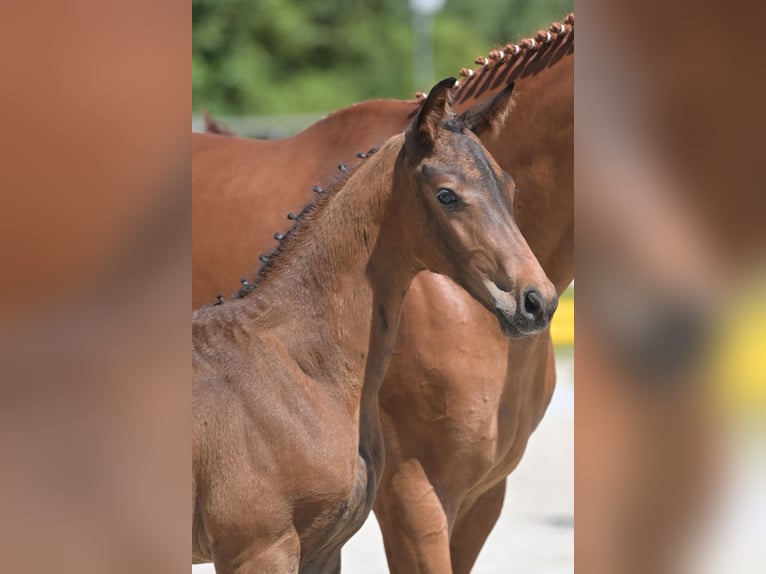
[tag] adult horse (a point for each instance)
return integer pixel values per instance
(286, 443)
(449, 447)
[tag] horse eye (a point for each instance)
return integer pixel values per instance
(446, 196)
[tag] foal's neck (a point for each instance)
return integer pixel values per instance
(334, 297)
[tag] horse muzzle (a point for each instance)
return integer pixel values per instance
(527, 314)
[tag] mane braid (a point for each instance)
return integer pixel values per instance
(511, 55)
(301, 222)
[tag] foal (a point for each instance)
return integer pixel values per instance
(286, 443)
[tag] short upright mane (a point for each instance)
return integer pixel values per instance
(301, 221)
(514, 60)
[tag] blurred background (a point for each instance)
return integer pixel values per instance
(269, 68)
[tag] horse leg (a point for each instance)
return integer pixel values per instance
(473, 526)
(332, 566)
(328, 565)
(282, 556)
(412, 521)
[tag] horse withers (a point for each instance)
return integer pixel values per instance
(287, 447)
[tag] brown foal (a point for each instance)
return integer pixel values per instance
(287, 449)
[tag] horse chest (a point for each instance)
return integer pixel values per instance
(493, 437)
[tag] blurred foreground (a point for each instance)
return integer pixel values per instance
(670, 253)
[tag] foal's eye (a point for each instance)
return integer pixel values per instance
(446, 196)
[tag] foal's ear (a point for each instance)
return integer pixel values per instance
(490, 114)
(434, 110)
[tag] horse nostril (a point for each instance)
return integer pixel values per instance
(533, 304)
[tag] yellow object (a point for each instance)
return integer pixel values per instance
(740, 356)
(562, 326)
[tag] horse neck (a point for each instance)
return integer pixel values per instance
(335, 296)
(536, 146)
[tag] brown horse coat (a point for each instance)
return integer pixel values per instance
(496, 390)
(286, 442)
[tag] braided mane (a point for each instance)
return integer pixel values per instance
(511, 57)
(301, 221)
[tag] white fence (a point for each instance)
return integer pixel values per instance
(265, 127)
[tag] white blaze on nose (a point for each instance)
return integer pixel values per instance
(504, 301)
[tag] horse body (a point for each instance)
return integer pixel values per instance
(248, 496)
(456, 424)
(287, 444)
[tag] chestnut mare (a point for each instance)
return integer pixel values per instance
(448, 449)
(287, 448)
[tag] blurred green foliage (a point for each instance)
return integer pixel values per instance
(297, 56)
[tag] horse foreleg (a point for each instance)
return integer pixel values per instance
(473, 526)
(330, 564)
(282, 556)
(412, 521)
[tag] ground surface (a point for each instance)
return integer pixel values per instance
(535, 532)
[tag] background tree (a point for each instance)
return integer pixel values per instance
(297, 56)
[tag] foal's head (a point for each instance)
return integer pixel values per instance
(465, 212)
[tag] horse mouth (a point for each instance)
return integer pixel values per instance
(507, 327)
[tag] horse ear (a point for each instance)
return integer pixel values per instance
(490, 114)
(433, 111)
